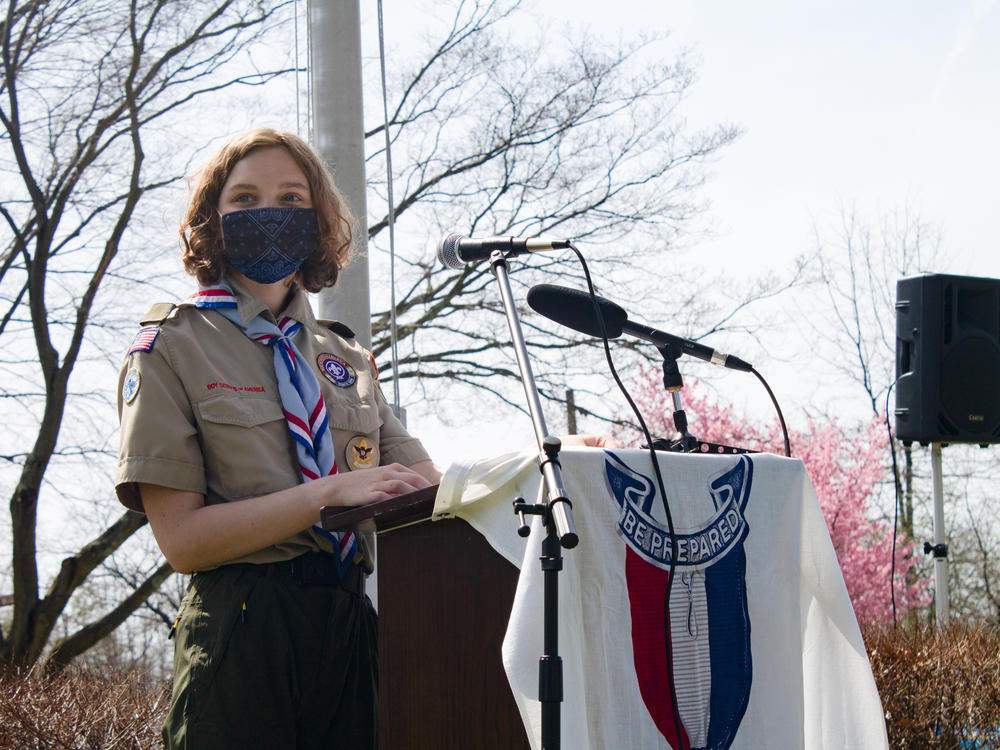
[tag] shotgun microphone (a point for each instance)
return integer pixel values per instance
(575, 309)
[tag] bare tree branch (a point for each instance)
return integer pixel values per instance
(75, 145)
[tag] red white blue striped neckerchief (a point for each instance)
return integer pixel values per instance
(301, 398)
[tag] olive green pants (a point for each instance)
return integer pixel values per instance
(263, 661)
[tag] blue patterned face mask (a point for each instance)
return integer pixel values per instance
(269, 244)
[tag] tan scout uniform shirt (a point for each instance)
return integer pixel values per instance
(207, 417)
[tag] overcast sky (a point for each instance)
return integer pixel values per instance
(876, 105)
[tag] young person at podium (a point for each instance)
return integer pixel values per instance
(241, 416)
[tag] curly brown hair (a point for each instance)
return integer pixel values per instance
(201, 231)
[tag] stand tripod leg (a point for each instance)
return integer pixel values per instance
(550, 681)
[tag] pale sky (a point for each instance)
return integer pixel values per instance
(875, 106)
(871, 104)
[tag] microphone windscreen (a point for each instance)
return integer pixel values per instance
(448, 251)
(575, 309)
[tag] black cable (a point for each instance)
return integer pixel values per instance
(781, 417)
(663, 494)
(899, 500)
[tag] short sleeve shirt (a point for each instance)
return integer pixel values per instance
(200, 412)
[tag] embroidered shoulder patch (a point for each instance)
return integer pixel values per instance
(130, 387)
(143, 341)
(336, 370)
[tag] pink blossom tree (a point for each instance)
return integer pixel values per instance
(845, 468)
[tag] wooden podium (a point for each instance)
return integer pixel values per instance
(444, 598)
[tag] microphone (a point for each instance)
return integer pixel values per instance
(455, 250)
(575, 309)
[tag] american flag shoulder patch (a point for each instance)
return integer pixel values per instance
(143, 341)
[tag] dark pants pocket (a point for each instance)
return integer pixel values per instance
(211, 609)
(296, 669)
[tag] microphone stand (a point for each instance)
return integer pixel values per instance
(673, 382)
(556, 512)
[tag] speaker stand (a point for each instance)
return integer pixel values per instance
(940, 549)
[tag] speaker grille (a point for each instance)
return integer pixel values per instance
(970, 385)
(948, 359)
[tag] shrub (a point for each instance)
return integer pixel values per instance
(78, 710)
(938, 690)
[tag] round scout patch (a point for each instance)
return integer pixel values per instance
(361, 453)
(336, 370)
(131, 385)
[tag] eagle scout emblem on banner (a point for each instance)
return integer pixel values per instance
(337, 371)
(708, 631)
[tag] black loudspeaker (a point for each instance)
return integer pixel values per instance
(948, 359)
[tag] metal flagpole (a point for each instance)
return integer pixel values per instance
(338, 133)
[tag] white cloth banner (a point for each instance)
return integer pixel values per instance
(766, 651)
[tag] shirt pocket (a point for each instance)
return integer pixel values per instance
(350, 420)
(247, 447)
(357, 416)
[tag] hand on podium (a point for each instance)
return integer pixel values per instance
(590, 441)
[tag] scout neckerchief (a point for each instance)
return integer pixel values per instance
(301, 399)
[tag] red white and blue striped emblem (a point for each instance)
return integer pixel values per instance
(692, 652)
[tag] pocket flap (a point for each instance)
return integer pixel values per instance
(245, 412)
(353, 417)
